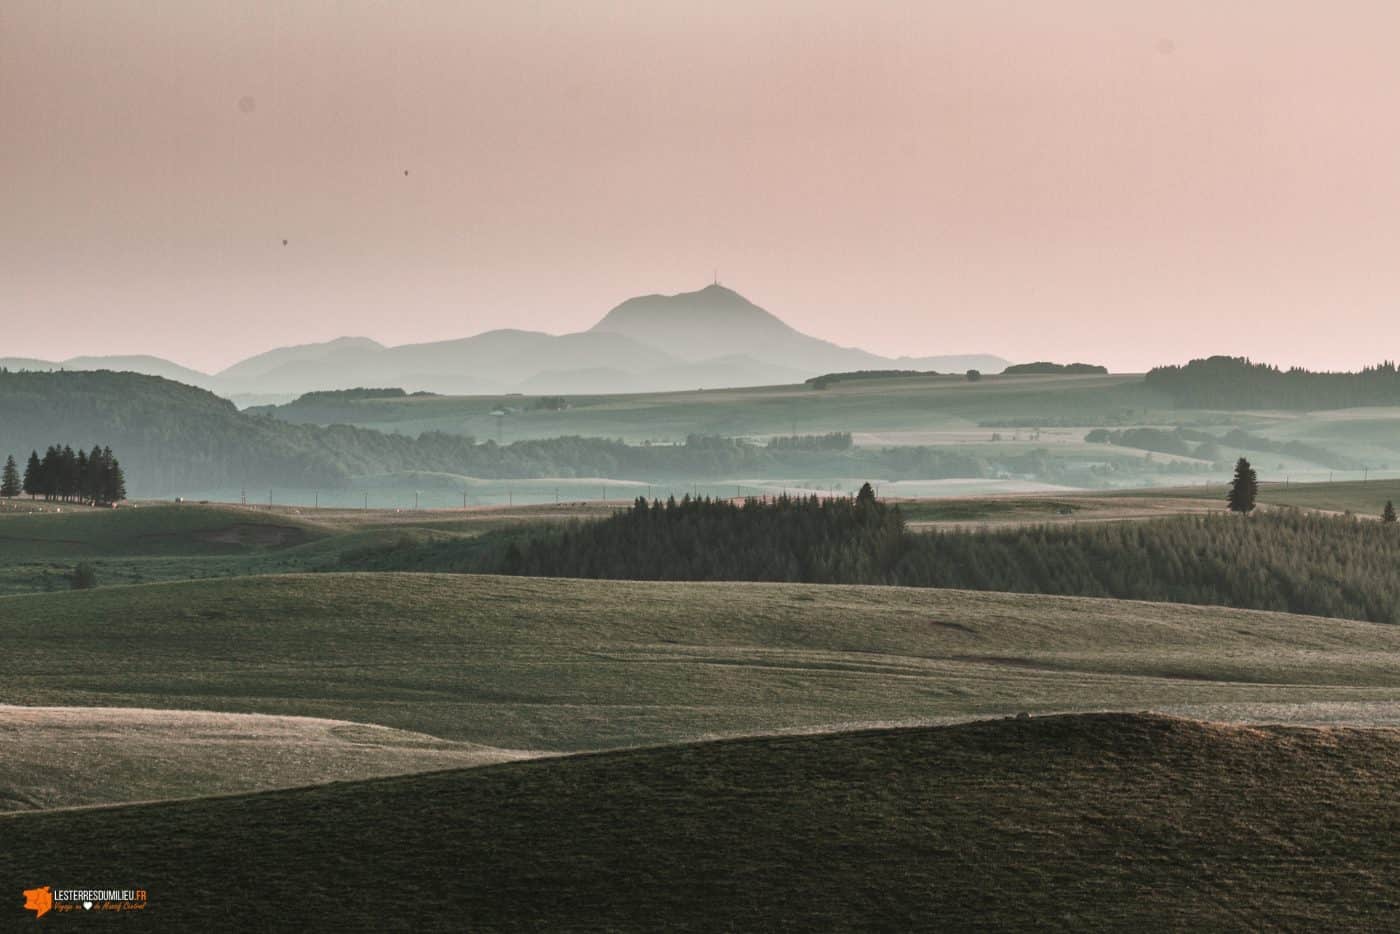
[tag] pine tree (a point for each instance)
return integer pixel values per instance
(81, 474)
(93, 479)
(1388, 514)
(10, 483)
(114, 489)
(50, 472)
(1243, 489)
(33, 474)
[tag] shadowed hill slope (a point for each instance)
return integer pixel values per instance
(1110, 822)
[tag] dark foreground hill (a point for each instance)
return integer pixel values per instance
(1078, 823)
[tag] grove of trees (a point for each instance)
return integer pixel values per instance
(1235, 383)
(94, 477)
(1280, 560)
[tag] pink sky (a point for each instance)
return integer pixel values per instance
(1123, 183)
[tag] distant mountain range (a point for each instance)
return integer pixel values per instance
(712, 338)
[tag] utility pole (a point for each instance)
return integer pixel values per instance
(269, 499)
(510, 497)
(317, 500)
(464, 499)
(366, 500)
(415, 500)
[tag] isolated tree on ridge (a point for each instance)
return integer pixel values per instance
(1388, 513)
(1243, 489)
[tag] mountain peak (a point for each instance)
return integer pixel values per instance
(711, 321)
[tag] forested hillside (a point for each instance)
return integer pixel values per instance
(1237, 383)
(1289, 561)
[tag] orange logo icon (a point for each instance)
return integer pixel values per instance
(39, 901)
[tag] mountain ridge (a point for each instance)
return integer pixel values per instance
(709, 338)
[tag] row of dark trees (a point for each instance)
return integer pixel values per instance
(66, 475)
(1235, 383)
(1281, 560)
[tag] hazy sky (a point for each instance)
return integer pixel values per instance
(1121, 182)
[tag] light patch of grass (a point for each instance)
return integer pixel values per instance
(71, 756)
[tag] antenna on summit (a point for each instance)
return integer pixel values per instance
(716, 276)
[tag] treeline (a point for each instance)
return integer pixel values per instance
(834, 441)
(62, 474)
(351, 395)
(827, 379)
(1237, 383)
(1044, 367)
(1288, 560)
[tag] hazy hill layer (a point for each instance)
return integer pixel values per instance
(716, 321)
(712, 338)
(138, 363)
(1080, 823)
(259, 371)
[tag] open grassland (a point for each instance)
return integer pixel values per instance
(542, 664)
(66, 532)
(1109, 822)
(67, 756)
(1365, 499)
(164, 541)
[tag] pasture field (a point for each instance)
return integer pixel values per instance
(1110, 822)
(165, 541)
(546, 665)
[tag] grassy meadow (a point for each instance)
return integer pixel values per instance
(165, 541)
(549, 665)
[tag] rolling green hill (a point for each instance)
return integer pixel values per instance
(572, 665)
(164, 529)
(1110, 822)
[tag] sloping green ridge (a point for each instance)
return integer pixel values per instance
(538, 663)
(1076, 822)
